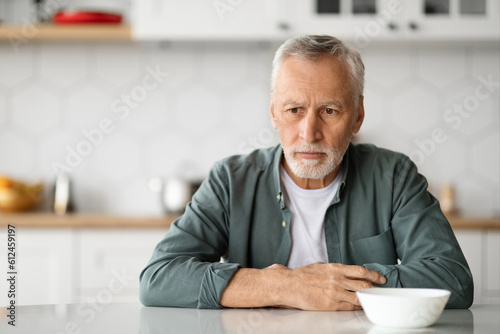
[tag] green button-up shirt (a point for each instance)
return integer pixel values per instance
(382, 212)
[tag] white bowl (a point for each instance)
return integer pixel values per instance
(403, 308)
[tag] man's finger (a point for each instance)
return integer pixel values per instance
(349, 301)
(356, 285)
(361, 273)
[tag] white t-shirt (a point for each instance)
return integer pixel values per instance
(308, 208)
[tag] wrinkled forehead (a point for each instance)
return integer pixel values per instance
(320, 75)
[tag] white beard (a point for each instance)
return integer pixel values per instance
(313, 168)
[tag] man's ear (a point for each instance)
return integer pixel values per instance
(271, 112)
(360, 115)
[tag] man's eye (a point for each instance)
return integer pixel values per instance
(330, 111)
(294, 110)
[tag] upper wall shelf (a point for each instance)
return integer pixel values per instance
(77, 32)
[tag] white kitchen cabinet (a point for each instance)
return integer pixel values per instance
(45, 267)
(363, 21)
(208, 20)
(110, 262)
(96, 266)
(358, 21)
(482, 251)
(452, 20)
(491, 289)
(469, 241)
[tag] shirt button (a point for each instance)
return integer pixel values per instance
(283, 223)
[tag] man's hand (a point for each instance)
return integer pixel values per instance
(329, 286)
(317, 286)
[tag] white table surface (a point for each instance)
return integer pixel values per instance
(135, 318)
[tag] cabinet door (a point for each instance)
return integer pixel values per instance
(360, 21)
(111, 261)
(453, 19)
(44, 267)
(201, 19)
(492, 270)
(469, 241)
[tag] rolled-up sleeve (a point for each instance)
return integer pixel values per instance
(185, 269)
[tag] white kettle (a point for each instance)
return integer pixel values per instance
(175, 193)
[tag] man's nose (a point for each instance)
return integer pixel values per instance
(310, 130)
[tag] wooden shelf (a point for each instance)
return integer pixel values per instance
(73, 32)
(48, 220)
(458, 222)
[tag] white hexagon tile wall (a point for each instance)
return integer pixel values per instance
(116, 115)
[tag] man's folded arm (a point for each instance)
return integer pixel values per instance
(430, 273)
(185, 269)
(425, 243)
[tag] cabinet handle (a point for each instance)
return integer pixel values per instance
(413, 26)
(284, 26)
(392, 26)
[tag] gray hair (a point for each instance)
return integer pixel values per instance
(313, 47)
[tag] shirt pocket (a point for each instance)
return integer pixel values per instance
(375, 249)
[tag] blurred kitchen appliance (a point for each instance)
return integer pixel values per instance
(175, 193)
(92, 12)
(40, 14)
(62, 195)
(81, 17)
(447, 199)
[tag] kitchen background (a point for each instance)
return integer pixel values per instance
(214, 102)
(117, 114)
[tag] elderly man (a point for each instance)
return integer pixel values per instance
(308, 223)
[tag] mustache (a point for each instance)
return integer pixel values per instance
(309, 148)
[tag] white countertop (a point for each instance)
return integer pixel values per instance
(135, 318)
